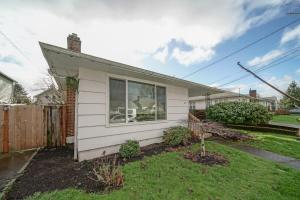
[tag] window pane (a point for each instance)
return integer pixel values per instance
(141, 102)
(161, 102)
(117, 101)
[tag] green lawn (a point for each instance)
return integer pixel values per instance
(289, 119)
(277, 143)
(170, 176)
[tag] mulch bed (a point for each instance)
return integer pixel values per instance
(210, 158)
(55, 169)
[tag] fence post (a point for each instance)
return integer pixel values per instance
(5, 129)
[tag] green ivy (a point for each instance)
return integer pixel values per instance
(239, 113)
(72, 82)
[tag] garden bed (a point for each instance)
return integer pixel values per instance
(210, 158)
(266, 128)
(55, 169)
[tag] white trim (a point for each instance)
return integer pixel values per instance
(134, 79)
(126, 78)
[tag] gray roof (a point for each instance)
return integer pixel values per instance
(7, 77)
(65, 62)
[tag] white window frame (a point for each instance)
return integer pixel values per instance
(126, 79)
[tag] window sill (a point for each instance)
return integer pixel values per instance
(137, 123)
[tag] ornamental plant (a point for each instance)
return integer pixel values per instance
(109, 173)
(239, 113)
(130, 149)
(177, 135)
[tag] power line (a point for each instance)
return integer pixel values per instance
(259, 70)
(267, 83)
(286, 54)
(14, 45)
(243, 48)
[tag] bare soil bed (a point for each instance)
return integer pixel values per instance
(55, 169)
(210, 158)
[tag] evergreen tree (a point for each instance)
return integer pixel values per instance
(294, 91)
(20, 95)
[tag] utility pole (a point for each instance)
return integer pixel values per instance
(278, 90)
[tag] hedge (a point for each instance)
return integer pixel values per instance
(239, 113)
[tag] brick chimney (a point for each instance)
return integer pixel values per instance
(74, 42)
(252, 93)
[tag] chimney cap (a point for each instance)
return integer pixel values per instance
(74, 42)
(73, 36)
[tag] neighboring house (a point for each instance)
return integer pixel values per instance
(203, 102)
(49, 97)
(6, 89)
(116, 102)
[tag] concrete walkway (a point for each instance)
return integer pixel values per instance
(11, 164)
(268, 155)
(292, 162)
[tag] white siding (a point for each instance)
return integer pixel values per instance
(95, 135)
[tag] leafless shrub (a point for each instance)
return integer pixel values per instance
(109, 173)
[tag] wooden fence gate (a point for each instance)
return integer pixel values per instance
(31, 126)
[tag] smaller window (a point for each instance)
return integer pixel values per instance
(117, 101)
(161, 102)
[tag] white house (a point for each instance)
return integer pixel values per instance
(51, 96)
(117, 102)
(7, 85)
(203, 102)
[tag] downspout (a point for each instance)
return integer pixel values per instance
(76, 128)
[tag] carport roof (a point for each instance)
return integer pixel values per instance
(64, 62)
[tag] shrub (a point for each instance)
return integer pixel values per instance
(177, 135)
(239, 113)
(108, 173)
(130, 149)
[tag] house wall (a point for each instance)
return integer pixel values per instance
(95, 135)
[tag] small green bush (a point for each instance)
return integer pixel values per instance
(239, 113)
(130, 149)
(177, 135)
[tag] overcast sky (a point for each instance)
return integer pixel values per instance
(170, 37)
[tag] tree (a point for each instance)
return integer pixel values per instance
(20, 95)
(294, 91)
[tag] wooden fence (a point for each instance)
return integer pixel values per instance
(31, 126)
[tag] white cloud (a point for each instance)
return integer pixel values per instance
(265, 59)
(125, 31)
(293, 34)
(188, 57)
(162, 55)
(298, 71)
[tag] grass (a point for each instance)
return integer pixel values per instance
(170, 176)
(278, 143)
(289, 119)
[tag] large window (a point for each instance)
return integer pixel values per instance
(145, 102)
